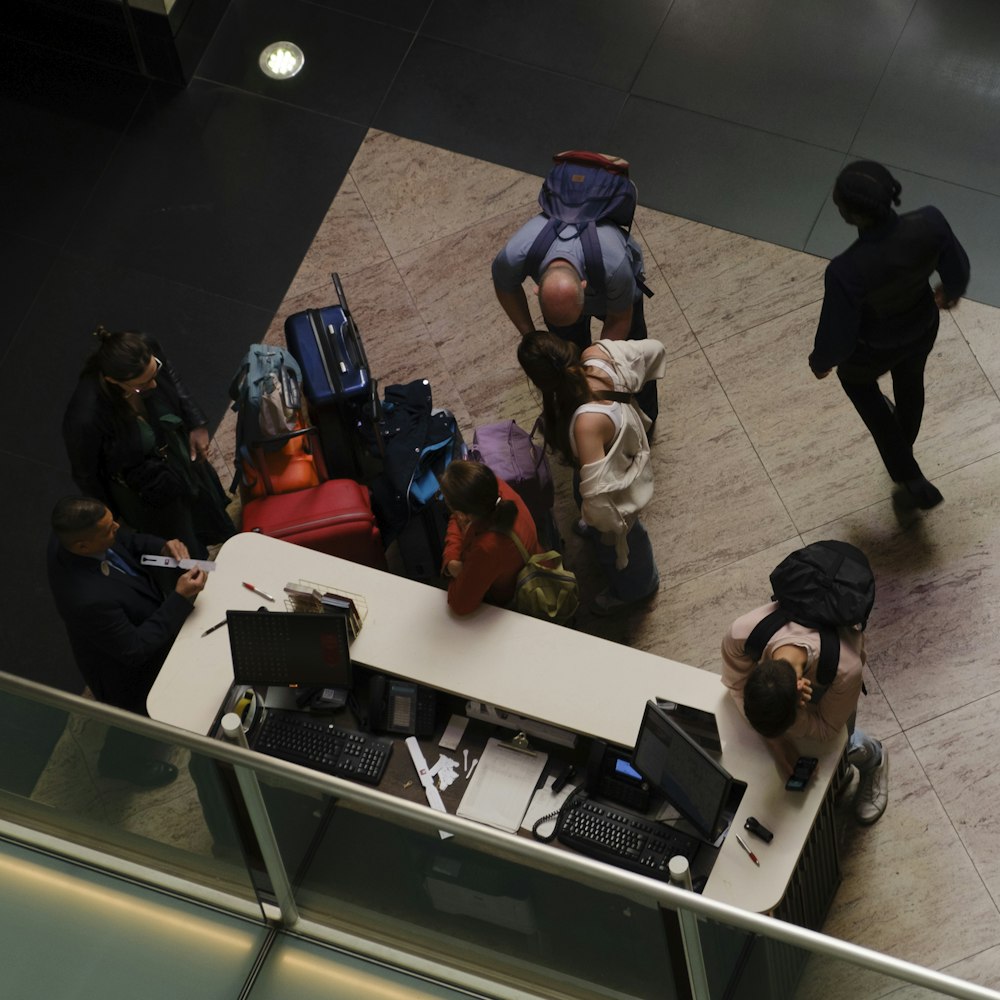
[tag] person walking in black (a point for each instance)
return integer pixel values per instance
(880, 314)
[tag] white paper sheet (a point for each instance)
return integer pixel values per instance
(502, 786)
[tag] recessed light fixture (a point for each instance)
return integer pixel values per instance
(281, 60)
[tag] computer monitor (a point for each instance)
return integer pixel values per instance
(288, 648)
(672, 762)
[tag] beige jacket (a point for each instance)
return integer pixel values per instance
(619, 486)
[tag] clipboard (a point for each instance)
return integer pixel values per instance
(501, 789)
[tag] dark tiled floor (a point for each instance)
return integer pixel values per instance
(806, 71)
(186, 212)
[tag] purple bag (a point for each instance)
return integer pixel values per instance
(513, 455)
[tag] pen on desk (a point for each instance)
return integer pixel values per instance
(751, 855)
(250, 586)
(209, 631)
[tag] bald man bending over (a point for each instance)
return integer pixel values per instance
(565, 296)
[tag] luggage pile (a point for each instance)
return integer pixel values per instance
(298, 454)
(324, 462)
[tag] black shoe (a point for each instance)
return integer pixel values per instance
(923, 492)
(145, 773)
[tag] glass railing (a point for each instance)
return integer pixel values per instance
(58, 778)
(395, 882)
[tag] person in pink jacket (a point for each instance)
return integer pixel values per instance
(781, 697)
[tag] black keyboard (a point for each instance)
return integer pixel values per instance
(623, 838)
(323, 747)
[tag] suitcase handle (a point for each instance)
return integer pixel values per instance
(339, 289)
(374, 402)
(362, 360)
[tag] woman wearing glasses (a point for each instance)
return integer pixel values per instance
(137, 441)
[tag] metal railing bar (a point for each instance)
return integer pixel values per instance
(540, 856)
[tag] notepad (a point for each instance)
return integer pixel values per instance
(500, 790)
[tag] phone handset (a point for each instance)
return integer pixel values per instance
(578, 796)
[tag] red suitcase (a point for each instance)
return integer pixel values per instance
(334, 517)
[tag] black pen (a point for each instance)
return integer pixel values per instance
(209, 631)
(742, 843)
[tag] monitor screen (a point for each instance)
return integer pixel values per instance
(289, 648)
(690, 779)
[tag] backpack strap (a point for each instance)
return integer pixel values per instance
(829, 656)
(517, 541)
(541, 244)
(829, 645)
(762, 632)
(617, 397)
(593, 258)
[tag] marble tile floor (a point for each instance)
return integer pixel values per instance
(753, 458)
(107, 810)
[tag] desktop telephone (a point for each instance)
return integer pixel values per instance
(610, 775)
(396, 706)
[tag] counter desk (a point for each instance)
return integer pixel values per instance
(552, 674)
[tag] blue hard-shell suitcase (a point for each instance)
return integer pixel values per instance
(342, 395)
(327, 345)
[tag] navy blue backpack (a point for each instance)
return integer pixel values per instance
(585, 190)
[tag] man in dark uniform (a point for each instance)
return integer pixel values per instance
(880, 315)
(120, 625)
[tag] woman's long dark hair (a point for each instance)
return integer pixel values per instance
(471, 488)
(121, 355)
(554, 367)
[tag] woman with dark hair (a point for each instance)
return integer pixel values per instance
(591, 420)
(880, 315)
(481, 561)
(138, 442)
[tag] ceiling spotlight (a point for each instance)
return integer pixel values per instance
(281, 60)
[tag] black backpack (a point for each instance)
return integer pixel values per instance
(824, 586)
(585, 190)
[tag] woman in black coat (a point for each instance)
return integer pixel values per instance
(137, 441)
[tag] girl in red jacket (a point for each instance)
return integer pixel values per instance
(480, 561)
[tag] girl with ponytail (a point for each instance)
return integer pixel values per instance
(481, 562)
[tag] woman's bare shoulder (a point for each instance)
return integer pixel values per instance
(595, 351)
(592, 432)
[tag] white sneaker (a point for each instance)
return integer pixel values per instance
(872, 795)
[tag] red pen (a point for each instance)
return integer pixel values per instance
(743, 844)
(250, 586)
